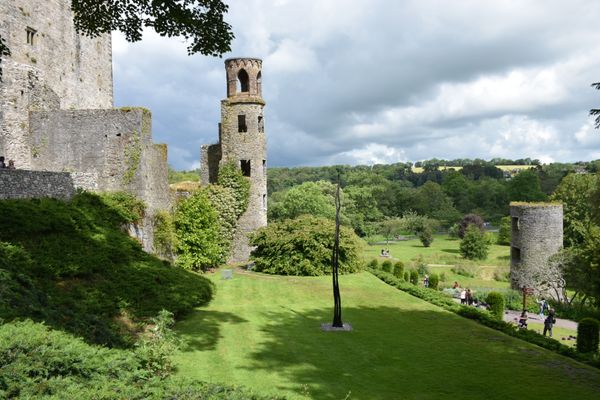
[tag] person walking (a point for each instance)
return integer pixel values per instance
(549, 322)
(543, 305)
(426, 281)
(463, 296)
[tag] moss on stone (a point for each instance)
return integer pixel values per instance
(133, 155)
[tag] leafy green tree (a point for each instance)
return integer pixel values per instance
(433, 202)
(596, 111)
(576, 193)
(505, 231)
(390, 228)
(421, 226)
(525, 186)
(458, 188)
(198, 236)
(475, 245)
(303, 246)
(313, 198)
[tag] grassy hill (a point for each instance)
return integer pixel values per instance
(71, 265)
(263, 332)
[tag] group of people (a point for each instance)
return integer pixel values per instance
(549, 319)
(11, 163)
(385, 252)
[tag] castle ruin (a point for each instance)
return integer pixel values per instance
(56, 109)
(242, 141)
(537, 234)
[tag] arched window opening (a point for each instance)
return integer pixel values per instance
(246, 167)
(243, 81)
(259, 81)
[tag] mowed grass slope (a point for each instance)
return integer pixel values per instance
(264, 332)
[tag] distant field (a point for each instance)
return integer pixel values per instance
(502, 167)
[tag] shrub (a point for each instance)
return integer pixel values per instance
(474, 245)
(496, 302)
(399, 269)
(434, 281)
(303, 246)
(386, 266)
(129, 207)
(588, 332)
(453, 231)
(374, 264)
(198, 235)
(414, 276)
(469, 220)
(421, 266)
(406, 276)
(505, 231)
(425, 236)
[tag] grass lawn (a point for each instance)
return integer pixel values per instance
(263, 332)
(444, 254)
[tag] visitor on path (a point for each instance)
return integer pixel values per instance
(455, 285)
(426, 281)
(523, 320)
(463, 296)
(543, 306)
(2, 164)
(469, 297)
(549, 322)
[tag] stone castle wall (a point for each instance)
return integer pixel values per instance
(537, 234)
(22, 184)
(51, 67)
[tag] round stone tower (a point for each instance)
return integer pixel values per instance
(243, 143)
(537, 234)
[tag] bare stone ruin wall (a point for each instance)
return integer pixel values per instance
(22, 184)
(107, 150)
(537, 234)
(59, 69)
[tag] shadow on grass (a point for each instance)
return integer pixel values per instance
(451, 251)
(202, 329)
(393, 353)
(72, 266)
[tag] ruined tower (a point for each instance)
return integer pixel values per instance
(537, 234)
(52, 67)
(242, 141)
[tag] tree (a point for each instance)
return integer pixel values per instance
(596, 111)
(526, 186)
(421, 226)
(474, 245)
(390, 228)
(505, 231)
(576, 193)
(470, 220)
(314, 198)
(303, 246)
(198, 21)
(198, 236)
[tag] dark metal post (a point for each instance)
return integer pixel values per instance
(337, 300)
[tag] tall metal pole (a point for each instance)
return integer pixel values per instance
(337, 300)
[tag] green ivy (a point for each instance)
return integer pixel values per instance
(133, 155)
(231, 177)
(165, 239)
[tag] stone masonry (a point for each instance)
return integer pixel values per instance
(56, 112)
(22, 184)
(242, 141)
(537, 234)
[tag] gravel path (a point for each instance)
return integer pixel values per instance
(513, 316)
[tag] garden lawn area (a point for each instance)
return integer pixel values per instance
(442, 256)
(263, 332)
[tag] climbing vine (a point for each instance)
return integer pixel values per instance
(133, 155)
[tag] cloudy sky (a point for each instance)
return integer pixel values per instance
(382, 81)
